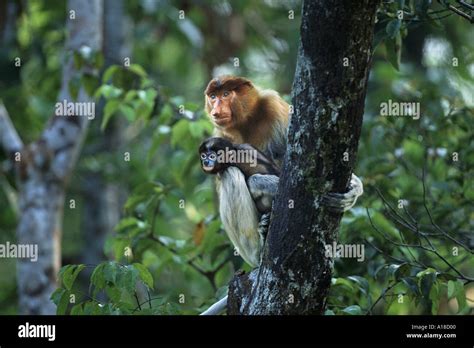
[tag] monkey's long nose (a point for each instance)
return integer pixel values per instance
(215, 112)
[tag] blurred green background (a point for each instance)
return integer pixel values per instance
(163, 207)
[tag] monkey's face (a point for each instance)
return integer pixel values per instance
(220, 105)
(222, 99)
(209, 162)
(211, 151)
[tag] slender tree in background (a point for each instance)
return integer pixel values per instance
(43, 167)
(328, 98)
(104, 199)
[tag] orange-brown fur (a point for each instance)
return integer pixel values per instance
(259, 117)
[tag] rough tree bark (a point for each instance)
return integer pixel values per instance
(328, 100)
(44, 166)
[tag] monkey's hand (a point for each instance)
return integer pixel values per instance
(263, 188)
(341, 202)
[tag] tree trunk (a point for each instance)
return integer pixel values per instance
(328, 98)
(45, 166)
(104, 199)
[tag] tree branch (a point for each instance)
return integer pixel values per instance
(413, 226)
(9, 138)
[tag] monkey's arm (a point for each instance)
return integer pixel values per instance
(262, 164)
(263, 189)
(339, 202)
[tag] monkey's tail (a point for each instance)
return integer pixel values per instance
(217, 307)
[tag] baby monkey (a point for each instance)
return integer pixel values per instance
(218, 154)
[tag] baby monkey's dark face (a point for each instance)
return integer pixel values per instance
(208, 151)
(209, 161)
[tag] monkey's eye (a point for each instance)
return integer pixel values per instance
(212, 156)
(213, 96)
(203, 156)
(226, 93)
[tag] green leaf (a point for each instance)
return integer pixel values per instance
(60, 297)
(56, 295)
(127, 278)
(119, 246)
(128, 112)
(70, 274)
(451, 289)
(137, 69)
(461, 297)
(74, 86)
(150, 96)
(109, 109)
(352, 310)
(77, 60)
(109, 73)
(114, 293)
(412, 285)
(434, 297)
(179, 132)
(402, 271)
(131, 95)
(63, 304)
(145, 274)
(379, 37)
(97, 277)
(110, 92)
(111, 271)
(343, 282)
(429, 270)
(175, 243)
(98, 60)
(77, 309)
(382, 268)
(398, 271)
(90, 83)
(362, 283)
(166, 114)
(394, 51)
(393, 28)
(426, 280)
